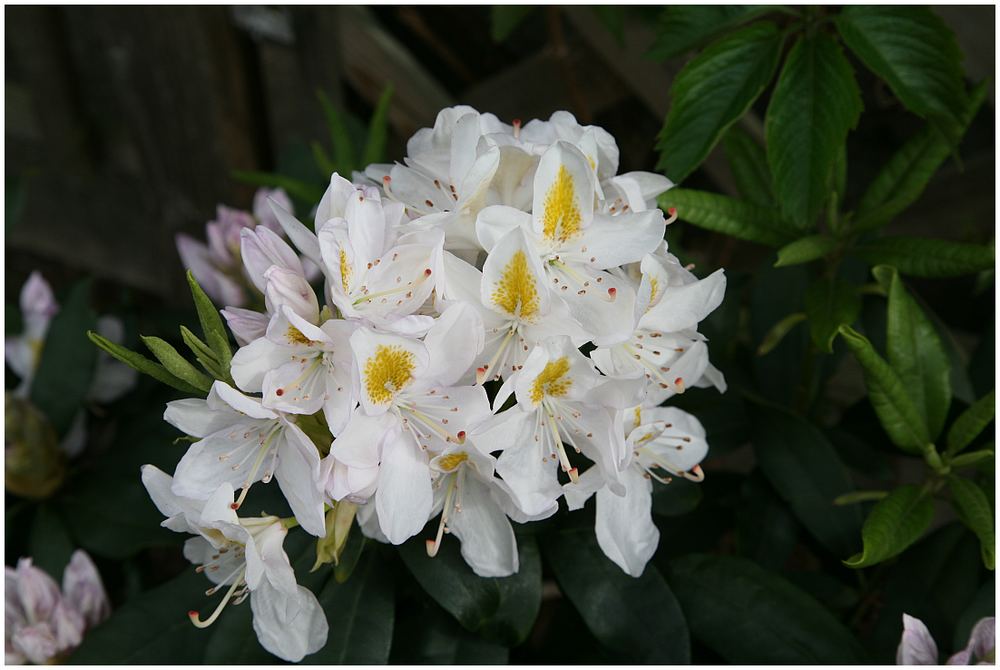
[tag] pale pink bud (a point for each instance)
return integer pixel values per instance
(246, 324)
(195, 256)
(38, 593)
(261, 248)
(916, 647)
(83, 589)
(285, 287)
(262, 210)
(37, 643)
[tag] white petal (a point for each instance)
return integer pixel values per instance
(303, 238)
(239, 402)
(577, 494)
(360, 443)
(453, 343)
(617, 240)
(624, 524)
(488, 543)
(194, 417)
(494, 222)
(297, 473)
(289, 626)
(514, 281)
(682, 307)
(177, 510)
(916, 646)
(533, 482)
(228, 456)
(404, 497)
(253, 361)
(83, 589)
(245, 324)
(261, 248)
(301, 384)
(382, 360)
(563, 204)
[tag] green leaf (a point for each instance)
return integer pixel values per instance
(748, 163)
(378, 129)
(507, 17)
(726, 215)
(982, 606)
(805, 470)
(748, 615)
(638, 618)
(686, 27)
(974, 508)
(340, 136)
(202, 353)
(153, 627)
(323, 162)
(973, 458)
(971, 423)
(426, 635)
(176, 364)
(815, 103)
(211, 326)
(829, 305)
(141, 363)
(894, 524)
(679, 497)
(915, 353)
(501, 609)
(66, 369)
(805, 250)
(360, 612)
(899, 416)
(903, 178)
(921, 257)
(295, 187)
(713, 91)
(778, 332)
(916, 53)
(50, 545)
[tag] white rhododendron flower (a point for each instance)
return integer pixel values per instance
(467, 335)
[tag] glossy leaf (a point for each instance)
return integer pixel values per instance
(916, 353)
(971, 423)
(916, 53)
(748, 163)
(66, 369)
(898, 414)
(815, 103)
(637, 618)
(806, 471)
(501, 609)
(894, 523)
(829, 305)
(974, 508)
(176, 364)
(685, 27)
(726, 215)
(713, 91)
(921, 257)
(748, 615)
(805, 250)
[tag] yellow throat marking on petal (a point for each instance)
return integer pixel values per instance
(552, 381)
(451, 461)
(561, 217)
(638, 416)
(345, 270)
(516, 292)
(654, 288)
(296, 336)
(388, 371)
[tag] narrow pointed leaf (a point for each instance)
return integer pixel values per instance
(778, 332)
(713, 91)
(974, 508)
(202, 353)
(141, 363)
(378, 129)
(726, 215)
(971, 423)
(921, 257)
(829, 305)
(340, 137)
(815, 103)
(805, 250)
(894, 524)
(211, 326)
(176, 364)
(898, 415)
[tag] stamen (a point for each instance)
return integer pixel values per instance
(196, 618)
(517, 128)
(672, 212)
(435, 544)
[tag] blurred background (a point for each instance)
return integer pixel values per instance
(126, 126)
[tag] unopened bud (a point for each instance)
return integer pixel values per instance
(34, 466)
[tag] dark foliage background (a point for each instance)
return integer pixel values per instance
(124, 127)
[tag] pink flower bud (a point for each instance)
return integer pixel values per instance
(261, 248)
(262, 210)
(285, 287)
(83, 590)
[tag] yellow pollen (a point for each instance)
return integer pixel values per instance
(388, 371)
(345, 270)
(296, 336)
(552, 381)
(638, 416)
(451, 461)
(516, 293)
(654, 287)
(561, 218)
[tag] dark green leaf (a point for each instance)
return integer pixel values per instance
(915, 353)
(151, 628)
(211, 326)
(805, 250)
(713, 91)
(141, 363)
(767, 533)
(202, 354)
(971, 423)
(678, 497)
(894, 523)
(50, 544)
(686, 27)
(295, 187)
(506, 18)
(340, 136)
(778, 332)
(974, 508)
(902, 180)
(360, 613)
(900, 418)
(234, 641)
(750, 616)
(638, 618)
(923, 257)
(916, 53)
(349, 558)
(501, 609)
(378, 129)
(66, 369)
(829, 305)
(815, 103)
(323, 162)
(984, 605)
(805, 470)
(726, 215)
(176, 364)
(426, 635)
(748, 162)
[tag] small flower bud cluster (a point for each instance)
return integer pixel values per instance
(489, 257)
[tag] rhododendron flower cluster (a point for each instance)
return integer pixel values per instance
(496, 322)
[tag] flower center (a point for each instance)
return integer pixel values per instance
(388, 371)
(516, 293)
(552, 381)
(561, 218)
